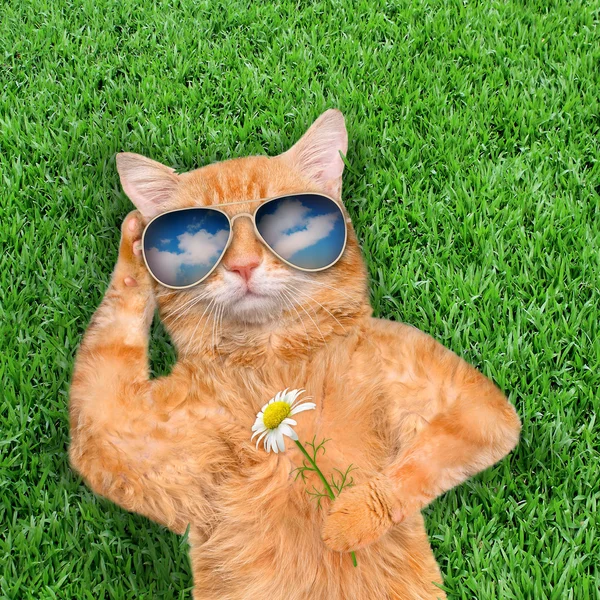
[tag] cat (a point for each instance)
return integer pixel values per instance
(411, 416)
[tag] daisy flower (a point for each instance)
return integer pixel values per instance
(273, 421)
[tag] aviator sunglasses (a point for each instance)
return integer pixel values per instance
(182, 247)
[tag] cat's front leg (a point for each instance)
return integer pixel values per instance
(123, 438)
(124, 317)
(361, 515)
(468, 425)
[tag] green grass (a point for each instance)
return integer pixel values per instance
(474, 185)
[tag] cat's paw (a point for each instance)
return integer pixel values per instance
(131, 271)
(361, 515)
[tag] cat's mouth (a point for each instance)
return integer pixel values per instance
(249, 292)
(252, 296)
(251, 305)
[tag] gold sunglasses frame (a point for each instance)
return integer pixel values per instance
(252, 217)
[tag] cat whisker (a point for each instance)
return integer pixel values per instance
(165, 293)
(337, 290)
(210, 304)
(314, 322)
(316, 325)
(212, 327)
(290, 303)
(215, 328)
(211, 314)
(180, 312)
(209, 318)
(307, 295)
(296, 292)
(221, 322)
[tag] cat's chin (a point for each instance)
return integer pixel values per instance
(253, 308)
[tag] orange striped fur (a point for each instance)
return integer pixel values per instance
(414, 418)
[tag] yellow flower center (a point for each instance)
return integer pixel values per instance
(275, 413)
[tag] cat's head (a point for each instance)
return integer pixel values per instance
(251, 287)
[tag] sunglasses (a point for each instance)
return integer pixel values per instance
(182, 247)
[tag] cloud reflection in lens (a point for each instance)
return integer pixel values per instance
(306, 230)
(181, 247)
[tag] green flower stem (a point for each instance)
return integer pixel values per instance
(325, 483)
(314, 464)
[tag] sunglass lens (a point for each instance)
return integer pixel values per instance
(182, 247)
(306, 230)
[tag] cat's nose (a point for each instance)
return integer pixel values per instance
(244, 268)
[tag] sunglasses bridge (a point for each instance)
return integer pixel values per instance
(243, 214)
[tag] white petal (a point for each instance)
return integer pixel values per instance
(287, 430)
(258, 425)
(300, 400)
(261, 436)
(289, 421)
(268, 441)
(280, 441)
(274, 442)
(293, 394)
(259, 430)
(303, 407)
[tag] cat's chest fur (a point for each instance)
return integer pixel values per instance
(258, 502)
(351, 414)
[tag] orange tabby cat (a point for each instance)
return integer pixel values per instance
(412, 416)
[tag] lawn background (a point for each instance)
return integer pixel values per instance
(473, 183)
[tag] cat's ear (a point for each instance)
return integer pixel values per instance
(148, 184)
(317, 153)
